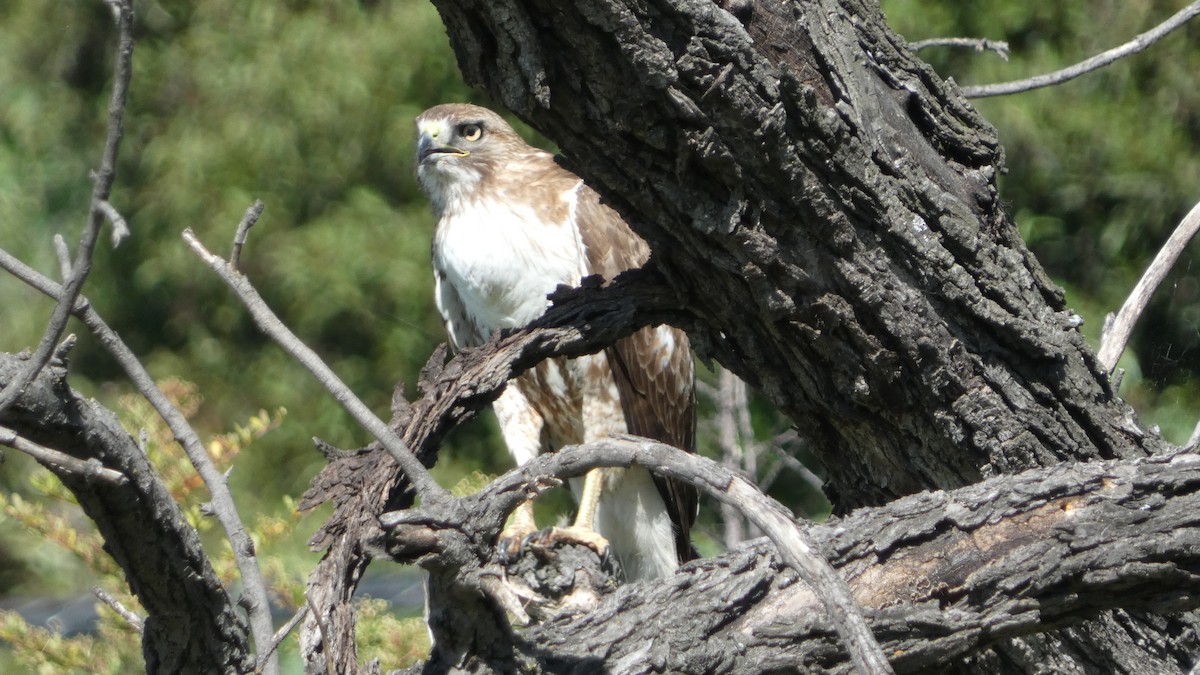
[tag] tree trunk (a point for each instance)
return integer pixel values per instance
(826, 208)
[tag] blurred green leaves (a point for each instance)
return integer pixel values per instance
(306, 105)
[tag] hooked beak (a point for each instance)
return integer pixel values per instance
(426, 148)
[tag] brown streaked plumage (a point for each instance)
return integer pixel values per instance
(513, 225)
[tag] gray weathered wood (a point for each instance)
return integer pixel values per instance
(191, 625)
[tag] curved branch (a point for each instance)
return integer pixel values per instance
(499, 499)
(1117, 330)
(192, 624)
(942, 574)
(978, 44)
(1097, 62)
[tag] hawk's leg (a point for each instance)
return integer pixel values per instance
(584, 530)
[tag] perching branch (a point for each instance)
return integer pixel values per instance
(253, 584)
(941, 574)
(1117, 330)
(1097, 62)
(102, 187)
(498, 500)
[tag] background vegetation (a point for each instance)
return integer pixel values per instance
(308, 105)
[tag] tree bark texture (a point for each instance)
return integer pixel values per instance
(826, 209)
(941, 575)
(191, 625)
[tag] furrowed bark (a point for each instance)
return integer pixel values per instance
(827, 207)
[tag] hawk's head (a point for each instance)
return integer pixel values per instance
(460, 146)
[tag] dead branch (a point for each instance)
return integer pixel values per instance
(270, 324)
(137, 623)
(364, 484)
(493, 504)
(1117, 330)
(1096, 62)
(102, 187)
(87, 469)
(143, 528)
(223, 506)
(942, 574)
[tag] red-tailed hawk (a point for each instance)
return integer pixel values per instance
(512, 226)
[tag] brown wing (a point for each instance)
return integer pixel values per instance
(653, 367)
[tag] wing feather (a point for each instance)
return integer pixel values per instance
(653, 367)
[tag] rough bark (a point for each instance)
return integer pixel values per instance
(942, 574)
(827, 209)
(191, 625)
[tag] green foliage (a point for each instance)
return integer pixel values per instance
(309, 107)
(1101, 168)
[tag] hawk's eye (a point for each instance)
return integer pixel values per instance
(471, 132)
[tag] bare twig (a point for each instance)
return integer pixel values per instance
(239, 238)
(90, 469)
(422, 482)
(120, 228)
(1098, 61)
(282, 633)
(978, 44)
(62, 253)
(794, 545)
(135, 622)
(122, 71)
(1117, 332)
(224, 508)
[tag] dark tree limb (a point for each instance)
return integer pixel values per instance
(365, 484)
(191, 624)
(943, 574)
(223, 507)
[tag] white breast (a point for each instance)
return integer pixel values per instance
(501, 261)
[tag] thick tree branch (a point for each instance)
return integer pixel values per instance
(364, 484)
(495, 502)
(192, 625)
(223, 506)
(827, 209)
(944, 573)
